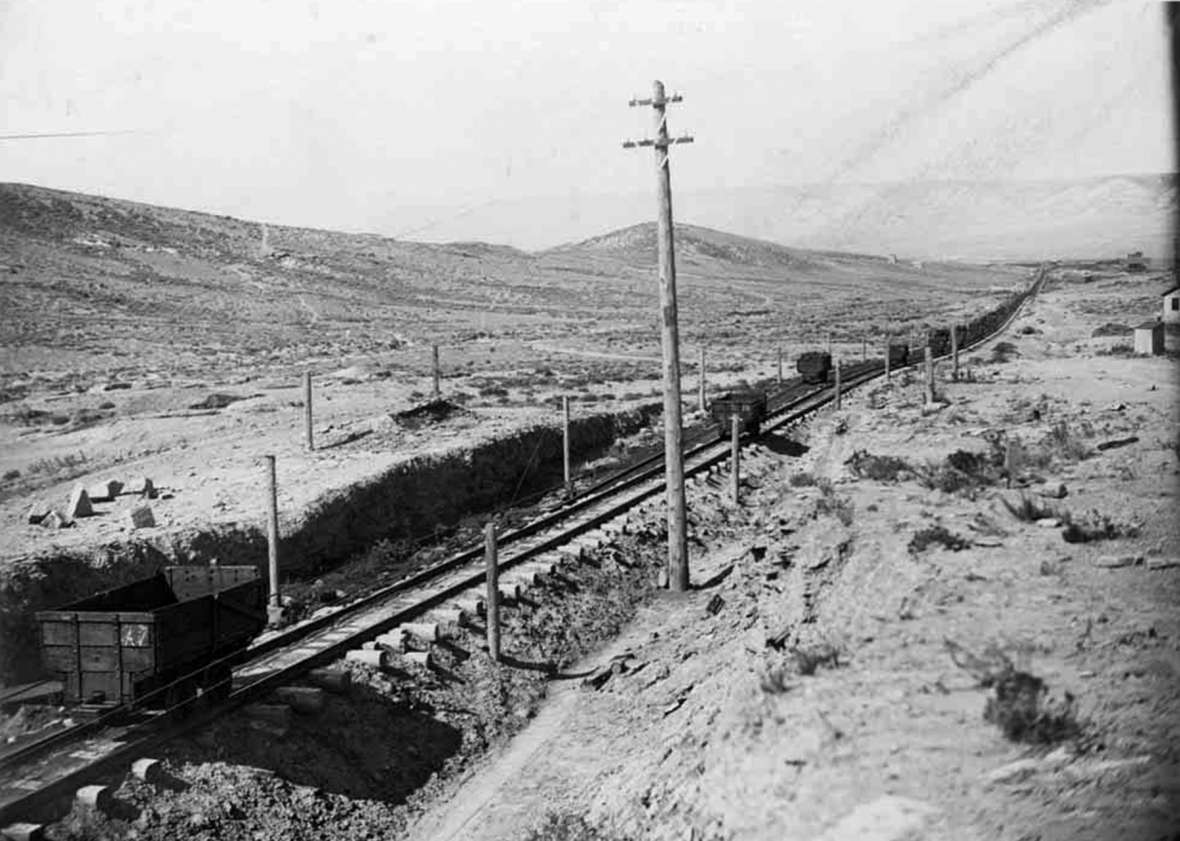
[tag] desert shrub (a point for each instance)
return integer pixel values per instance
(557, 826)
(493, 391)
(802, 480)
(1003, 352)
(1029, 330)
(936, 534)
(1029, 510)
(1021, 707)
(834, 505)
(9, 475)
(1112, 328)
(1093, 526)
(1120, 349)
(809, 658)
(865, 465)
(1061, 441)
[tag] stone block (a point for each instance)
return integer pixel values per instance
(151, 771)
(141, 517)
(104, 491)
(23, 832)
(56, 520)
(79, 505)
(38, 511)
(94, 798)
(143, 486)
(377, 658)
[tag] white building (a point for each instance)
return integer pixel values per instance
(1149, 338)
(1172, 305)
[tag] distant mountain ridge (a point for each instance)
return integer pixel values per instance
(982, 221)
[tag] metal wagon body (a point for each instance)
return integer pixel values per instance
(748, 406)
(814, 366)
(899, 355)
(143, 642)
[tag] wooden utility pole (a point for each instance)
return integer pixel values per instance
(829, 342)
(274, 604)
(955, 352)
(929, 385)
(493, 597)
(780, 366)
(565, 443)
(673, 454)
(735, 456)
(701, 383)
(437, 374)
(309, 434)
(864, 348)
(886, 360)
(837, 401)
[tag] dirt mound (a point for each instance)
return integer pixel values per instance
(436, 411)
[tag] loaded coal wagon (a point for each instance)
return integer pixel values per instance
(748, 406)
(155, 641)
(814, 366)
(899, 355)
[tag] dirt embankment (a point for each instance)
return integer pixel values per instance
(406, 502)
(905, 647)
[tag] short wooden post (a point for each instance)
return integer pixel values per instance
(887, 375)
(436, 371)
(735, 457)
(1009, 461)
(780, 366)
(275, 601)
(565, 444)
(829, 341)
(837, 399)
(307, 427)
(864, 348)
(955, 352)
(929, 395)
(701, 383)
(492, 601)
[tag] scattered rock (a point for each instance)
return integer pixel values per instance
(37, 512)
(1118, 442)
(1058, 491)
(79, 505)
(56, 520)
(1116, 561)
(104, 491)
(141, 517)
(143, 486)
(1163, 563)
(715, 604)
(1048, 522)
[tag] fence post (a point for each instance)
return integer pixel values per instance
(829, 342)
(929, 390)
(780, 366)
(493, 596)
(701, 383)
(955, 352)
(735, 455)
(887, 374)
(837, 384)
(309, 434)
(565, 443)
(274, 604)
(864, 348)
(437, 375)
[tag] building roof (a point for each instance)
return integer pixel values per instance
(1150, 325)
(1170, 291)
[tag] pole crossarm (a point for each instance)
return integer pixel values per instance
(661, 144)
(656, 102)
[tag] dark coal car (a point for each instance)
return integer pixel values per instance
(899, 355)
(748, 406)
(179, 631)
(814, 366)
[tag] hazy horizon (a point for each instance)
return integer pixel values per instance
(364, 116)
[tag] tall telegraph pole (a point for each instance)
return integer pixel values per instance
(673, 455)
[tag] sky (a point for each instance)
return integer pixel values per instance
(381, 116)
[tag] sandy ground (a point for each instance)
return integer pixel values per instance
(712, 732)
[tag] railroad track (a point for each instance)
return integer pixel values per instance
(40, 772)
